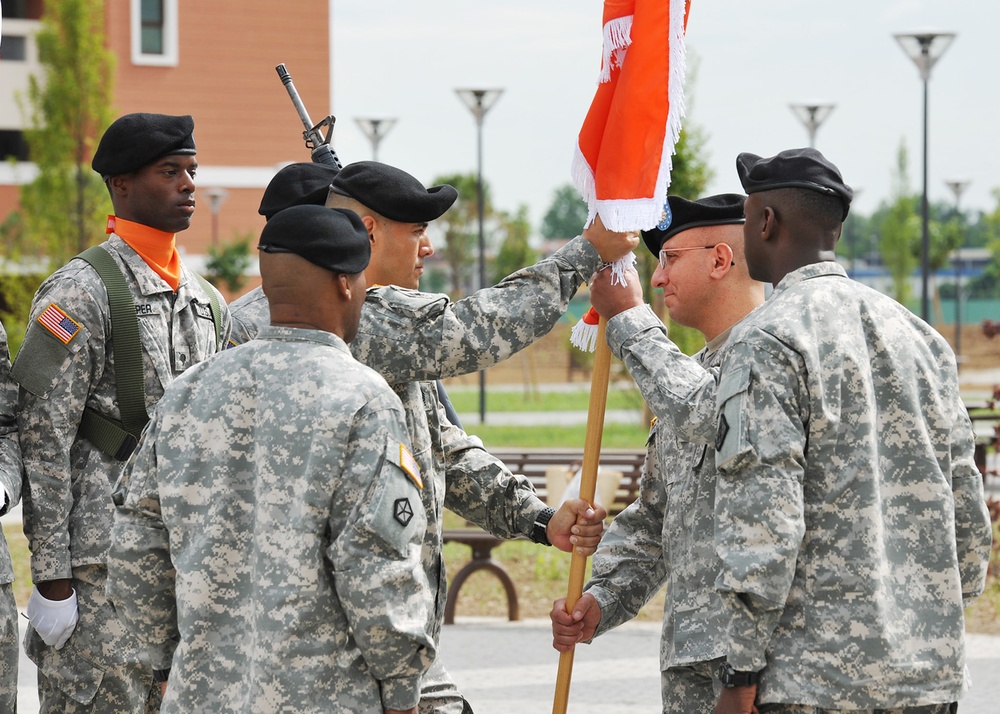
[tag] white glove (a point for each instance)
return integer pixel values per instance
(54, 620)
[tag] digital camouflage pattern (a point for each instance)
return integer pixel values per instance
(273, 526)
(666, 536)
(409, 336)
(67, 502)
(10, 480)
(453, 338)
(850, 517)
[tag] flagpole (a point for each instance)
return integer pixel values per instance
(588, 485)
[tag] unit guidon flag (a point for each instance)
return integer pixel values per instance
(623, 156)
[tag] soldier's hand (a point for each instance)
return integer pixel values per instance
(53, 620)
(576, 524)
(737, 700)
(610, 246)
(568, 629)
(608, 299)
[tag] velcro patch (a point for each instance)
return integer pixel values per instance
(409, 465)
(402, 511)
(64, 327)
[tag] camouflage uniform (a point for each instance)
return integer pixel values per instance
(849, 513)
(407, 335)
(666, 535)
(287, 510)
(10, 479)
(67, 503)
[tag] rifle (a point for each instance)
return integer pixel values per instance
(315, 140)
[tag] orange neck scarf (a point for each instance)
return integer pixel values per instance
(157, 248)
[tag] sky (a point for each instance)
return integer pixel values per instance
(748, 62)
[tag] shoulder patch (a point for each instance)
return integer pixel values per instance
(409, 465)
(402, 511)
(57, 322)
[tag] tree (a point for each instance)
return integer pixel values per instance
(461, 229)
(68, 107)
(899, 231)
(227, 263)
(567, 213)
(515, 251)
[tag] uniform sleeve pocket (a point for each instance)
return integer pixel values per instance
(732, 445)
(397, 515)
(43, 358)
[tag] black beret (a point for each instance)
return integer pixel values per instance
(393, 193)
(134, 140)
(794, 168)
(331, 238)
(681, 214)
(297, 185)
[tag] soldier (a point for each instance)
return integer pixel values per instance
(269, 542)
(406, 335)
(850, 519)
(88, 376)
(666, 535)
(10, 494)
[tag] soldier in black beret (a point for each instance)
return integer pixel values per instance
(87, 379)
(796, 195)
(297, 185)
(334, 239)
(396, 209)
(669, 540)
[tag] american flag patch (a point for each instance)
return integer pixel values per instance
(410, 466)
(59, 323)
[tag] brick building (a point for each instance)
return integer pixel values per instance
(213, 60)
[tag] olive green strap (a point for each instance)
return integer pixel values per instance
(216, 309)
(118, 439)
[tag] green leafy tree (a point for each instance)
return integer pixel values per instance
(515, 251)
(227, 263)
(68, 107)
(567, 214)
(899, 231)
(461, 230)
(987, 285)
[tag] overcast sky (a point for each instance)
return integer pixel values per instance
(751, 60)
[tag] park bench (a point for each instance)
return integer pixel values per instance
(546, 469)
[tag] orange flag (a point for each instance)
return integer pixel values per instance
(623, 158)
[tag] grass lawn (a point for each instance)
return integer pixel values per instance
(467, 400)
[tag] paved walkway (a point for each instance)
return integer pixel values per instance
(507, 667)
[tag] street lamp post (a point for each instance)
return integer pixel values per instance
(216, 197)
(479, 101)
(925, 49)
(957, 187)
(812, 115)
(375, 130)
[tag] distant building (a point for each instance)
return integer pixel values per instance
(213, 60)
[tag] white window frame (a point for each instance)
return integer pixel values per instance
(169, 58)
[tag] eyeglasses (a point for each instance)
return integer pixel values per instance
(669, 255)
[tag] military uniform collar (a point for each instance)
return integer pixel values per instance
(807, 272)
(299, 334)
(148, 282)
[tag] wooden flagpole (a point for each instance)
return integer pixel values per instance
(588, 485)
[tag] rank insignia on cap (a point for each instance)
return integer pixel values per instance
(666, 218)
(64, 327)
(402, 511)
(409, 465)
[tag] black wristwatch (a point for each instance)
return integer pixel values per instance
(161, 675)
(539, 530)
(731, 678)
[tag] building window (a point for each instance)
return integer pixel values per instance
(14, 48)
(13, 145)
(154, 32)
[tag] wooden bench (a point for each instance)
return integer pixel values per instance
(536, 465)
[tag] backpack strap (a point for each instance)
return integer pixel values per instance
(213, 299)
(118, 439)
